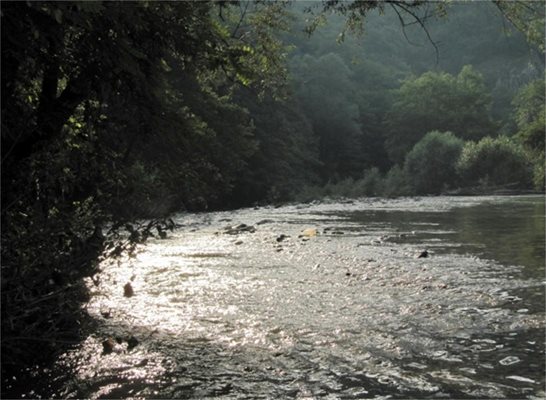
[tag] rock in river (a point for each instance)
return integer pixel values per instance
(128, 290)
(309, 232)
(424, 254)
(108, 346)
(235, 230)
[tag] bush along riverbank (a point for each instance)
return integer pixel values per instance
(443, 164)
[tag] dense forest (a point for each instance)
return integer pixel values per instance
(406, 111)
(119, 112)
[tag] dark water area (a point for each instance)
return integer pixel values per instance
(510, 231)
(325, 300)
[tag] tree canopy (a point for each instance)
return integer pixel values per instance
(438, 101)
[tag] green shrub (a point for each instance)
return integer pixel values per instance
(396, 183)
(371, 184)
(431, 165)
(309, 193)
(498, 161)
(539, 179)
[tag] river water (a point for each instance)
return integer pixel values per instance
(351, 312)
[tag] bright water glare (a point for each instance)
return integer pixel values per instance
(349, 312)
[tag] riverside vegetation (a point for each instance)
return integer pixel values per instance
(114, 113)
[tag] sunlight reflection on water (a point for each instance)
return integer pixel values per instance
(353, 314)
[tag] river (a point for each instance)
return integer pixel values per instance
(349, 312)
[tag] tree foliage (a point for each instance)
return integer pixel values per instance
(113, 111)
(323, 87)
(431, 164)
(287, 152)
(529, 114)
(438, 101)
(494, 161)
(530, 118)
(527, 17)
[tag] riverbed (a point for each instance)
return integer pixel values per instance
(436, 297)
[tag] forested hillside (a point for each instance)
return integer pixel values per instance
(372, 98)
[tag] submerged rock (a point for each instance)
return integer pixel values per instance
(282, 237)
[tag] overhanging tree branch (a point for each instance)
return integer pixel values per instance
(421, 22)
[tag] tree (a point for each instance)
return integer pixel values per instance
(526, 17)
(530, 118)
(323, 87)
(374, 87)
(286, 157)
(438, 101)
(494, 161)
(111, 111)
(430, 165)
(529, 114)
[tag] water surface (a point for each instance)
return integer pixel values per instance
(349, 313)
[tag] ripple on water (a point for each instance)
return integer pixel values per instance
(335, 315)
